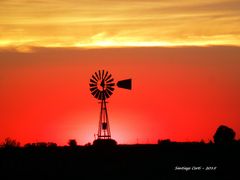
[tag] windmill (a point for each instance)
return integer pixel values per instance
(102, 86)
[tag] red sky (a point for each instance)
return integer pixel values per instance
(181, 93)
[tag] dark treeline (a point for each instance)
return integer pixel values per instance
(164, 160)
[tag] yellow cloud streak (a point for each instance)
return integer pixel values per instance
(105, 23)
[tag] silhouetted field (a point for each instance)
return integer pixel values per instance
(160, 161)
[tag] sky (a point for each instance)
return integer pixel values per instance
(183, 58)
(83, 23)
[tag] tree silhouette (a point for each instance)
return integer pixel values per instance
(164, 141)
(224, 135)
(52, 144)
(10, 143)
(72, 143)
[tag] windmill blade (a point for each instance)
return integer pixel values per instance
(125, 84)
(92, 85)
(94, 92)
(109, 92)
(92, 81)
(105, 75)
(106, 94)
(94, 78)
(109, 76)
(102, 74)
(93, 88)
(101, 95)
(110, 88)
(110, 80)
(97, 75)
(97, 94)
(111, 84)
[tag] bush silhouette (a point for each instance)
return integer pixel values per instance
(52, 144)
(10, 143)
(224, 135)
(164, 141)
(72, 143)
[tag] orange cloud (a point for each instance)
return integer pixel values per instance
(118, 23)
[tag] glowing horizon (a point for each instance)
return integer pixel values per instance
(103, 23)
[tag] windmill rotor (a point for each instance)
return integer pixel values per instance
(101, 85)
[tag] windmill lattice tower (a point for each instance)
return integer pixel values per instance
(102, 86)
